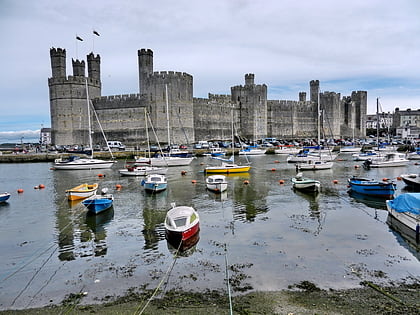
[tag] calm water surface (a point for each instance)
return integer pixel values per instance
(269, 235)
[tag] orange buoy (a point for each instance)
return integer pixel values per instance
(276, 161)
(183, 172)
(41, 186)
(335, 181)
(20, 190)
(281, 181)
(356, 166)
(193, 181)
(246, 182)
(385, 179)
(101, 175)
(273, 169)
(399, 178)
(118, 186)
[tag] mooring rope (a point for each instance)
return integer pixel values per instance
(227, 280)
(160, 283)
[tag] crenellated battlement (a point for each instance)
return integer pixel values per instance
(170, 75)
(73, 80)
(120, 97)
(144, 51)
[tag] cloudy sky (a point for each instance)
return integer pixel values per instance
(348, 45)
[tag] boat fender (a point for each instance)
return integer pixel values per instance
(281, 181)
(41, 186)
(385, 179)
(118, 186)
(399, 178)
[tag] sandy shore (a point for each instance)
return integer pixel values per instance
(303, 299)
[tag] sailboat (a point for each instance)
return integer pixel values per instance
(316, 162)
(134, 169)
(228, 165)
(161, 159)
(78, 163)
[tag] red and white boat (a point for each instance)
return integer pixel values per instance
(181, 224)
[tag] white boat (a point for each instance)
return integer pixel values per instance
(363, 156)
(349, 149)
(142, 170)
(4, 197)
(287, 150)
(406, 209)
(181, 224)
(310, 156)
(387, 160)
(414, 155)
(252, 151)
(154, 183)
(216, 183)
(78, 163)
(317, 160)
(305, 184)
(314, 164)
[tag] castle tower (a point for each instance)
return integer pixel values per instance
(68, 106)
(302, 96)
(145, 57)
(58, 62)
(94, 66)
(249, 79)
(251, 101)
(78, 68)
(314, 85)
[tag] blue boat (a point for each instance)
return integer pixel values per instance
(371, 187)
(4, 197)
(99, 203)
(154, 183)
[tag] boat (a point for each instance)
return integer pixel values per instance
(411, 180)
(349, 149)
(215, 152)
(99, 203)
(414, 155)
(252, 150)
(161, 159)
(287, 149)
(142, 170)
(305, 184)
(181, 224)
(216, 183)
(154, 183)
(314, 164)
(77, 163)
(383, 189)
(388, 160)
(363, 156)
(227, 166)
(82, 191)
(4, 197)
(406, 209)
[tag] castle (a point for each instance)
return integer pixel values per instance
(167, 96)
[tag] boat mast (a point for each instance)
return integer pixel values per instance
(147, 132)
(377, 122)
(89, 125)
(233, 141)
(167, 114)
(319, 124)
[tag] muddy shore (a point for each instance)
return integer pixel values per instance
(303, 298)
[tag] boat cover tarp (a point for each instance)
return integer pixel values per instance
(409, 202)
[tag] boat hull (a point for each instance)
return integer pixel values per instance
(373, 188)
(167, 161)
(227, 169)
(405, 208)
(142, 171)
(82, 191)
(412, 180)
(97, 205)
(314, 165)
(82, 164)
(4, 197)
(306, 184)
(182, 236)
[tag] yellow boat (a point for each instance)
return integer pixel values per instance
(82, 191)
(228, 168)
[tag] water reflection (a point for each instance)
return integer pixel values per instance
(405, 236)
(153, 229)
(185, 248)
(315, 214)
(370, 201)
(218, 197)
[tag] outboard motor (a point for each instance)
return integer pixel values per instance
(366, 164)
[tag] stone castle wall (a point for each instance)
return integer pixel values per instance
(168, 96)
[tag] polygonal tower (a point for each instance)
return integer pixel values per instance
(145, 57)
(68, 100)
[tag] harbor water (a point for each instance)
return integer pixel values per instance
(268, 235)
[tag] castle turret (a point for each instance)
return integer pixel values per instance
(314, 85)
(78, 68)
(58, 62)
(145, 57)
(94, 66)
(249, 79)
(302, 96)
